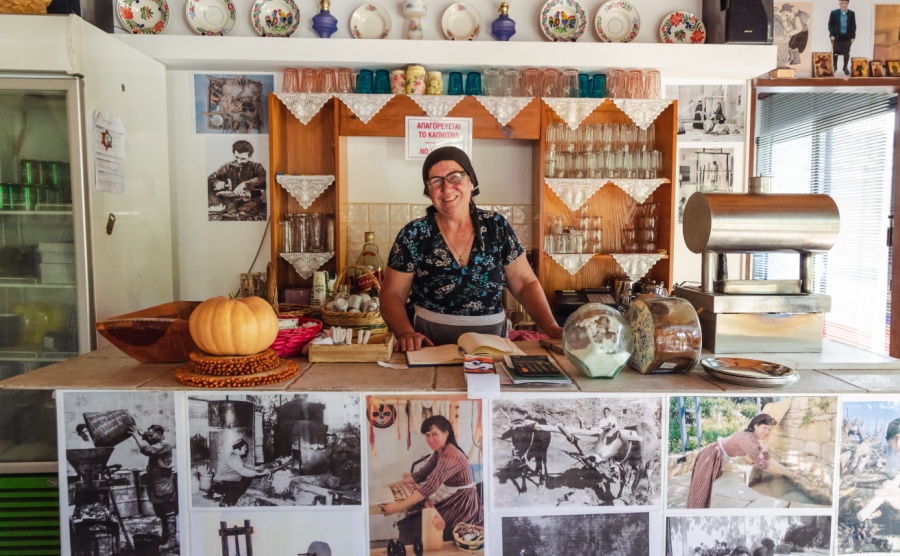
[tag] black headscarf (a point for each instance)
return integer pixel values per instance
(449, 153)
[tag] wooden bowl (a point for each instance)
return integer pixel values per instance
(158, 334)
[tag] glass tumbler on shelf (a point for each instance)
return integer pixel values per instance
(287, 234)
(291, 81)
(598, 86)
(344, 80)
(327, 81)
(364, 80)
(569, 84)
(509, 83)
(615, 83)
(530, 83)
(300, 233)
(473, 84)
(382, 84)
(491, 82)
(309, 82)
(652, 87)
(317, 232)
(584, 85)
(455, 83)
(634, 84)
(550, 83)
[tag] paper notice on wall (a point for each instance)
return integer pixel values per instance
(108, 144)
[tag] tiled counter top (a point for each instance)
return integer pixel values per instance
(837, 369)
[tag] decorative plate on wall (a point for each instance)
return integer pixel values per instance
(461, 22)
(210, 17)
(370, 21)
(682, 27)
(275, 18)
(562, 20)
(149, 18)
(617, 21)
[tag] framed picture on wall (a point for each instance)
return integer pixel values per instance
(892, 68)
(822, 64)
(860, 67)
(876, 68)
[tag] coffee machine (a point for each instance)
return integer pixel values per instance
(769, 316)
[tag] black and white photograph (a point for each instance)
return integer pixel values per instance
(588, 451)
(237, 181)
(748, 535)
(270, 532)
(869, 504)
(751, 452)
(275, 449)
(121, 473)
(706, 170)
(791, 36)
(229, 104)
(709, 112)
(618, 534)
(424, 465)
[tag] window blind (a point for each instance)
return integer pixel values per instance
(839, 144)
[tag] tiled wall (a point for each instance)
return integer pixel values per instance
(386, 219)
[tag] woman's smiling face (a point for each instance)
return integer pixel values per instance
(436, 438)
(447, 197)
(762, 431)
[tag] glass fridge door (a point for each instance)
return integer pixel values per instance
(44, 285)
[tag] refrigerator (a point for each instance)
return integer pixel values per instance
(74, 249)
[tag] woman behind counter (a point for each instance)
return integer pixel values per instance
(445, 480)
(748, 442)
(453, 263)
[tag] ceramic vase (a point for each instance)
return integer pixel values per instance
(504, 26)
(323, 23)
(414, 11)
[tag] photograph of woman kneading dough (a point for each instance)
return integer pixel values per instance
(739, 452)
(425, 468)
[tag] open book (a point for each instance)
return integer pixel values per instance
(471, 343)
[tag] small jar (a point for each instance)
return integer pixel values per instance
(435, 84)
(415, 80)
(398, 82)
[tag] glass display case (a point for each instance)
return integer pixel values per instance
(44, 292)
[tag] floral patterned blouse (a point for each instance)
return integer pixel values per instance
(440, 284)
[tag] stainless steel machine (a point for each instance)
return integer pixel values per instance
(739, 316)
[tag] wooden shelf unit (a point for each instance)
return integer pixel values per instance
(320, 147)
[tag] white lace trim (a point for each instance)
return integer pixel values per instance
(575, 192)
(304, 106)
(636, 265)
(572, 262)
(364, 106)
(573, 110)
(639, 189)
(504, 109)
(306, 263)
(305, 189)
(642, 111)
(436, 106)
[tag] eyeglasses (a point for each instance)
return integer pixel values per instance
(453, 178)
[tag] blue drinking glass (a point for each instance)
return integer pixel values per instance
(455, 83)
(364, 82)
(382, 82)
(598, 86)
(473, 83)
(584, 85)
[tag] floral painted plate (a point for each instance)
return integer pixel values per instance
(210, 17)
(617, 21)
(682, 27)
(563, 20)
(143, 17)
(275, 18)
(461, 22)
(370, 21)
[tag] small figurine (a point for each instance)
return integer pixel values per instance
(414, 11)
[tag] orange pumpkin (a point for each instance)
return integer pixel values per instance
(242, 326)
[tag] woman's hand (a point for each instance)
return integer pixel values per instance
(412, 341)
(391, 508)
(555, 332)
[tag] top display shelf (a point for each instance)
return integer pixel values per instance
(683, 63)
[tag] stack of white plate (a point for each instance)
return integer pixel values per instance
(749, 372)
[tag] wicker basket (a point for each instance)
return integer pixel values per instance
(109, 428)
(288, 310)
(473, 545)
(24, 6)
(370, 320)
(290, 341)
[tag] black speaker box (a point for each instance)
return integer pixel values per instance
(738, 21)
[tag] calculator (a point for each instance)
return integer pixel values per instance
(533, 365)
